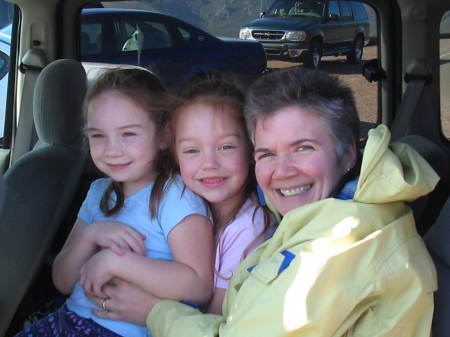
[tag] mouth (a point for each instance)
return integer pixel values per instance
(295, 191)
(118, 167)
(212, 181)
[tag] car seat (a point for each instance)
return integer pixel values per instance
(41, 184)
(437, 241)
(439, 161)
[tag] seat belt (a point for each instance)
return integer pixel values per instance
(25, 137)
(411, 117)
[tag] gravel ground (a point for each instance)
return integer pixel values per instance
(365, 92)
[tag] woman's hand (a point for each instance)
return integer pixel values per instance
(117, 237)
(125, 302)
(96, 272)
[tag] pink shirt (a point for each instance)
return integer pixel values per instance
(235, 239)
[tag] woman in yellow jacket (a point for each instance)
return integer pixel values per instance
(346, 259)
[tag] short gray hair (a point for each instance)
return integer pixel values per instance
(314, 90)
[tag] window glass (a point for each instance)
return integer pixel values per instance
(90, 39)
(346, 12)
(166, 51)
(444, 54)
(334, 8)
(6, 15)
(184, 34)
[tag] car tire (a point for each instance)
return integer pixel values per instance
(355, 55)
(313, 58)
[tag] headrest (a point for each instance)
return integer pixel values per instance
(34, 59)
(58, 100)
(433, 153)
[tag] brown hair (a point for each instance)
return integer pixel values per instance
(147, 91)
(223, 94)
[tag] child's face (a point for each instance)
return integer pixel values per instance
(213, 154)
(122, 140)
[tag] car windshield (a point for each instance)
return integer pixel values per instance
(308, 8)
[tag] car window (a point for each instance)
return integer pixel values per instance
(358, 11)
(90, 39)
(186, 36)
(444, 54)
(201, 49)
(333, 8)
(346, 11)
(6, 16)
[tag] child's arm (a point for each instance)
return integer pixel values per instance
(188, 277)
(84, 241)
(215, 305)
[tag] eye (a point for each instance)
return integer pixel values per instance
(128, 134)
(190, 151)
(95, 136)
(262, 156)
(226, 147)
(303, 148)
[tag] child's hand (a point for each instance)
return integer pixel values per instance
(117, 237)
(96, 272)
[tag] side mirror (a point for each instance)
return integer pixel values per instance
(372, 71)
(262, 14)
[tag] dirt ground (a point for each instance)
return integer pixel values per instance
(365, 92)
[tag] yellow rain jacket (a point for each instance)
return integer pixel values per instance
(333, 267)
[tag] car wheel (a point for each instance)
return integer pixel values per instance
(314, 55)
(355, 55)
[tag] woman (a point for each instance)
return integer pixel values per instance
(346, 258)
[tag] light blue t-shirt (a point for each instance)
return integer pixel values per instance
(177, 203)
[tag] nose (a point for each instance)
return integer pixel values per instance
(113, 147)
(210, 160)
(284, 167)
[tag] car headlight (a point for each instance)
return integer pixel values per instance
(245, 33)
(299, 35)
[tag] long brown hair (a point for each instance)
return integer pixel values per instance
(147, 91)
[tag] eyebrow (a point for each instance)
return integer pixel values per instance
(187, 139)
(292, 144)
(129, 126)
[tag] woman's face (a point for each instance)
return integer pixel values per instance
(296, 161)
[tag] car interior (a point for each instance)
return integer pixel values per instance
(403, 81)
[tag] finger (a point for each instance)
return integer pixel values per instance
(106, 314)
(136, 244)
(116, 249)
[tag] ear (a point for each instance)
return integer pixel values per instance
(350, 157)
(165, 138)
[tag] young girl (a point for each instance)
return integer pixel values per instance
(140, 224)
(213, 150)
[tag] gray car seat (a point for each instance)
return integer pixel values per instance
(437, 240)
(439, 161)
(40, 185)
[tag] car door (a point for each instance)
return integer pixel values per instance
(347, 27)
(332, 27)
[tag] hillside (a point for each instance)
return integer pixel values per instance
(219, 17)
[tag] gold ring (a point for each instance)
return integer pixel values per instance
(104, 304)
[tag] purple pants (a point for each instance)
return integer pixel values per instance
(66, 323)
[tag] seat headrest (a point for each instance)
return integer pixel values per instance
(433, 153)
(58, 100)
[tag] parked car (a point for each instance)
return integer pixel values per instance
(5, 46)
(307, 30)
(172, 49)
